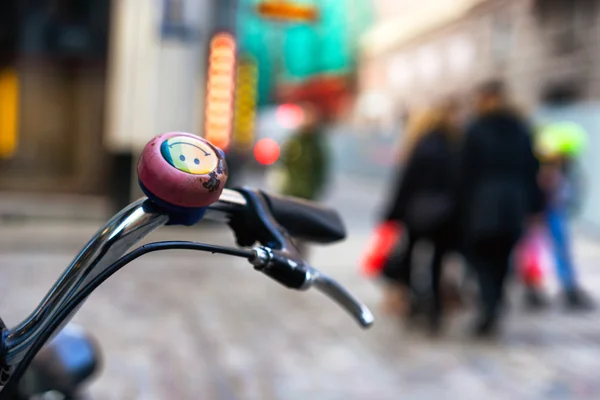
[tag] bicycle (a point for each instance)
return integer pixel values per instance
(183, 178)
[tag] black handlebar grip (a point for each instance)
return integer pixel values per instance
(306, 220)
(285, 271)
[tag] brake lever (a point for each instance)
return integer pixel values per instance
(278, 259)
(336, 292)
(296, 274)
(257, 224)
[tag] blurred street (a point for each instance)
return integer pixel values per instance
(190, 326)
(434, 114)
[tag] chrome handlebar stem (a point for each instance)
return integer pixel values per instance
(107, 246)
(119, 234)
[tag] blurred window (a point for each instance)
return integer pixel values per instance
(375, 105)
(502, 37)
(561, 93)
(9, 29)
(461, 55)
(65, 28)
(178, 20)
(400, 73)
(566, 22)
(429, 64)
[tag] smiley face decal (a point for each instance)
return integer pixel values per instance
(189, 155)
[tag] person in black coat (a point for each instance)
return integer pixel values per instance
(498, 195)
(424, 202)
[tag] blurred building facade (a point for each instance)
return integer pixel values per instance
(546, 50)
(304, 59)
(89, 82)
(53, 84)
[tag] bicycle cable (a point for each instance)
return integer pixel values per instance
(74, 302)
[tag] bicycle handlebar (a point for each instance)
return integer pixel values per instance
(243, 209)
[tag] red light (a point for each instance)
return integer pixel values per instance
(266, 151)
(290, 115)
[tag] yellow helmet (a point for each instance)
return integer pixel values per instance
(560, 139)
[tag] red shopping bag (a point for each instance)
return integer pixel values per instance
(530, 258)
(380, 247)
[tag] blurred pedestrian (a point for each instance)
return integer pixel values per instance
(424, 202)
(558, 147)
(498, 194)
(305, 159)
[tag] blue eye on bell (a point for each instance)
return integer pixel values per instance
(196, 161)
(182, 157)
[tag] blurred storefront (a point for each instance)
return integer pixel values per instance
(301, 51)
(52, 85)
(306, 51)
(84, 84)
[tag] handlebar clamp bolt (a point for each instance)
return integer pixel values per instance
(262, 257)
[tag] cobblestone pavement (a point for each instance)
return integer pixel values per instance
(192, 326)
(183, 325)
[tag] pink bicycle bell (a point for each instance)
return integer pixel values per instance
(182, 174)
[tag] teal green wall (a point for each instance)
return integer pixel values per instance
(297, 51)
